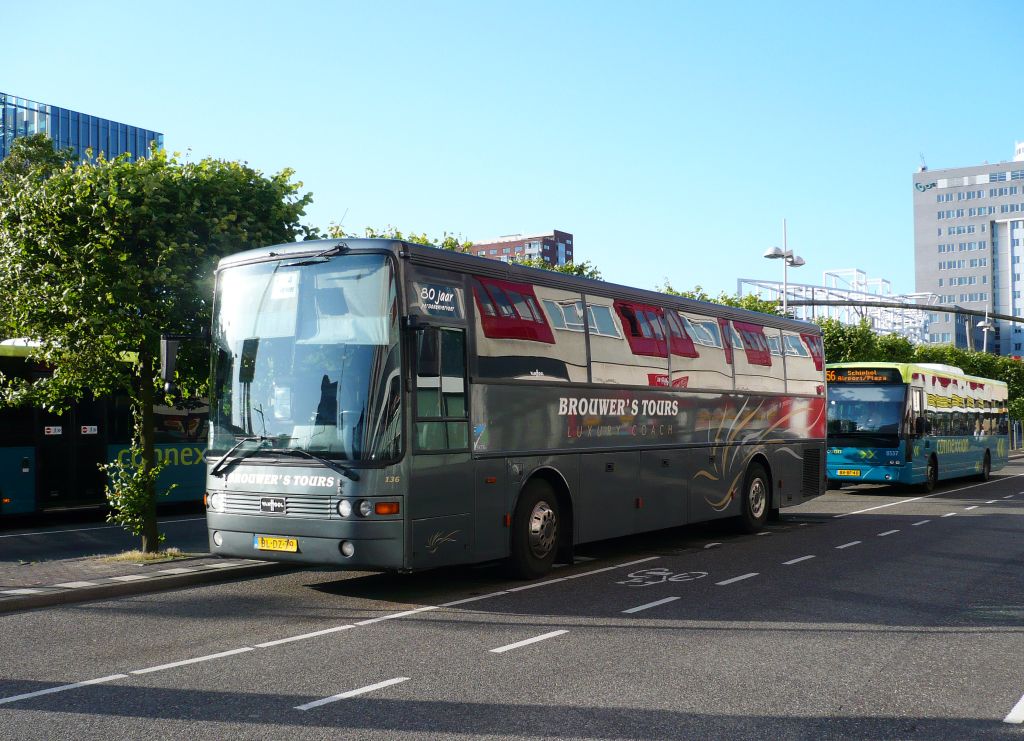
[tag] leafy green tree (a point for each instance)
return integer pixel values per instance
(585, 269)
(102, 258)
(848, 343)
(749, 302)
(894, 348)
(34, 156)
(447, 241)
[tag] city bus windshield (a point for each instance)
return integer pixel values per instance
(306, 356)
(869, 408)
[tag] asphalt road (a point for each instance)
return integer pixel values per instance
(864, 614)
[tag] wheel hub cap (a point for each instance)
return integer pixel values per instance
(543, 529)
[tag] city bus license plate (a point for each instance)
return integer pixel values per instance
(848, 472)
(268, 543)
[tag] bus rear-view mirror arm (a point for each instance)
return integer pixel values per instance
(169, 344)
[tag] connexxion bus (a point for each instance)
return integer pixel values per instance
(50, 462)
(383, 405)
(913, 423)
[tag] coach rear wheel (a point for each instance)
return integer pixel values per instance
(534, 532)
(986, 468)
(756, 499)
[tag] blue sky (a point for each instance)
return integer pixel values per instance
(671, 138)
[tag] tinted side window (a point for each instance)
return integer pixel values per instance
(707, 364)
(541, 340)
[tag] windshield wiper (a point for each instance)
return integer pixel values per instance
(320, 257)
(226, 458)
(340, 468)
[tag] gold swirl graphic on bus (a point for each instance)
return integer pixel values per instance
(732, 464)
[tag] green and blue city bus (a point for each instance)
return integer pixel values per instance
(391, 406)
(913, 424)
(50, 462)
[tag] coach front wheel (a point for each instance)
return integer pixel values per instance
(931, 476)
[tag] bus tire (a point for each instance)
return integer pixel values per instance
(756, 499)
(986, 468)
(931, 476)
(534, 539)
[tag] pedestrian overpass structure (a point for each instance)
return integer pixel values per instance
(849, 295)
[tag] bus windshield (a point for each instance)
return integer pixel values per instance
(306, 356)
(870, 408)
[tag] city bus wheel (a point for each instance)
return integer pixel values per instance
(534, 532)
(986, 468)
(756, 499)
(931, 476)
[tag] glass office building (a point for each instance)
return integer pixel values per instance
(80, 131)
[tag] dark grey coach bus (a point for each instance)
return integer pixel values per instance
(388, 406)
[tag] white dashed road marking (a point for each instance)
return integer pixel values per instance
(651, 604)
(210, 657)
(949, 514)
(315, 633)
(736, 579)
(972, 507)
(62, 688)
(352, 693)
(887, 532)
(847, 545)
(926, 496)
(1017, 714)
(796, 560)
(922, 522)
(528, 641)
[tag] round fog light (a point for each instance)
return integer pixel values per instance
(344, 508)
(365, 508)
(218, 539)
(347, 548)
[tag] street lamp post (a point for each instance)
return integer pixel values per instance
(788, 259)
(985, 325)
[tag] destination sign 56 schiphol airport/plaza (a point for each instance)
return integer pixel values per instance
(862, 375)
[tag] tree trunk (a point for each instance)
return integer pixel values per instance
(145, 426)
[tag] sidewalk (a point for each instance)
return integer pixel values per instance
(43, 583)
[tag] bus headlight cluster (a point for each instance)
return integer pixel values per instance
(344, 508)
(365, 508)
(216, 501)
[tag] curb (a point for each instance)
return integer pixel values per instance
(120, 587)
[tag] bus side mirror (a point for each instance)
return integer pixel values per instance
(168, 362)
(412, 323)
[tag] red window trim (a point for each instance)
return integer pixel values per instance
(755, 343)
(682, 345)
(726, 330)
(816, 348)
(505, 327)
(639, 344)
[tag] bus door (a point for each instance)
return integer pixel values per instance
(440, 498)
(919, 423)
(918, 443)
(53, 465)
(70, 448)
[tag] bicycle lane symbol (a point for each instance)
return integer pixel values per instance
(650, 577)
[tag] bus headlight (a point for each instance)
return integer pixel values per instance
(365, 508)
(216, 501)
(344, 508)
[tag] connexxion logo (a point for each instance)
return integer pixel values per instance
(922, 187)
